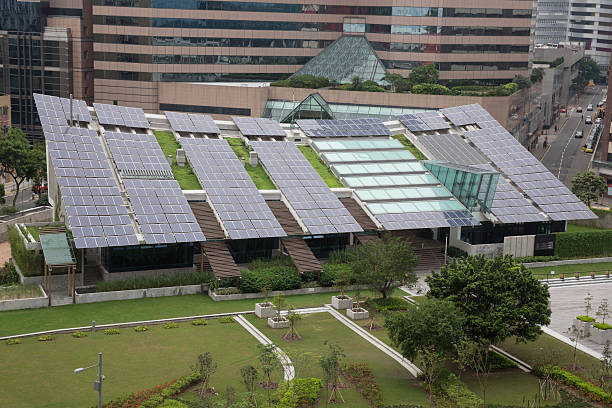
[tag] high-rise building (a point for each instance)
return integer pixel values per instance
(552, 21)
(591, 23)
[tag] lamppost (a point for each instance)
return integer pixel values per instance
(98, 383)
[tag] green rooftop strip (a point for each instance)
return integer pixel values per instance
(258, 174)
(410, 147)
(324, 171)
(183, 174)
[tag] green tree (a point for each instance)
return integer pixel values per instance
(589, 69)
(579, 83)
(522, 81)
(268, 363)
(356, 83)
(588, 186)
(537, 74)
(425, 74)
(603, 310)
(429, 332)
(2, 193)
(18, 159)
(587, 304)
(293, 318)
(331, 363)
(249, 378)
(206, 366)
(382, 263)
(394, 80)
(499, 298)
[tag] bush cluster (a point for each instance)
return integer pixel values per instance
(8, 274)
(303, 81)
(199, 322)
(602, 326)
(141, 329)
(341, 256)
(331, 271)
(305, 393)
(275, 277)
(590, 390)
(586, 319)
(390, 303)
(79, 335)
(189, 278)
(111, 332)
(583, 244)
(11, 342)
(227, 319)
(361, 376)
(30, 262)
(170, 325)
(45, 337)
(459, 393)
(455, 252)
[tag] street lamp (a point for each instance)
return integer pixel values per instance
(98, 383)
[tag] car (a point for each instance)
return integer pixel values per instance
(579, 134)
(598, 120)
(563, 110)
(600, 103)
(588, 120)
(590, 107)
(579, 109)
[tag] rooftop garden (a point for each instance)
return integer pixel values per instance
(326, 174)
(183, 174)
(410, 147)
(258, 174)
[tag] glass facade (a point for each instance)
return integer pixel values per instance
(489, 233)
(470, 185)
(322, 245)
(246, 250)
(313, 107)
(143, 257)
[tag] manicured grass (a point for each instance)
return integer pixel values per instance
(19, 292)
(258, 174)
(396, 383)
(580, 228)
(34, 320)
(40, 374)
(599, 268)
(507, 387)
(410, 147)
(184, 175)
(326, 174)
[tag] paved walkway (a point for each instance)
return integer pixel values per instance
(5, 252)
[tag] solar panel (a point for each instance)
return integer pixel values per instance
(529, 174)
(121, 116)
(204, 124)
(95, 209)
(433, 120)
(315, 204)
(232, 194)
(134, 117)
(452, 148)
(457, 116)
(426, 219)
(56, 111)
(160, 207)
(180, 122)
(258, 126)
(343, 127)
(412, 122)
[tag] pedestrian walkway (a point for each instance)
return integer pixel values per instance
(288, 368)
(5, 252)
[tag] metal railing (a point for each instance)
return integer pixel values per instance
(599, 274)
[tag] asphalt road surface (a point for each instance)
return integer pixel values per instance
(565, 157)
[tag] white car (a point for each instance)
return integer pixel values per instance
(590, 107)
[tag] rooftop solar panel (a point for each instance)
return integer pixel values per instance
(121, 116)
(343, 127)
(56, 111)
(315, 204)
(233, 195)
(258, 126)
(180, 122)
(204, 124)
(457, 116)
(137, 152)
(452, 148)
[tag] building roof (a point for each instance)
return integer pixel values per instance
(57, 249)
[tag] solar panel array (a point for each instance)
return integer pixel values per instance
(161, 209)
(315, 204)
(427, 219)
(423, 121)
(193, 123)
(529, 174)
(458, 116)
(342, 127)
(451, 148)
(56, 111)
(232, 194)
(258, 126)
(481, 117)
(94, 206)
(121, 116)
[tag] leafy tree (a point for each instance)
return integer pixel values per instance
(575, 334)
(268, 363)
(425, 74)
(429, 332)
(587, 304)
(394, 80)
(603, 310)
(372, 86)
(522, 81)
(589, 69)
(331, 363)
(499, 297)
(556, 62)
(606, 367)
(18, 159)
(206, 366)
(430, 89)
(382, 263)
(537, 74)
(356, 83)
(249, 378)
(475, 355)
(579, 83)
(588, 186)
(293, 318)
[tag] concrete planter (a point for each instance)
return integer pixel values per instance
(264, 311)
(303, 291)
(586, 327)
(357, 314)
(341, 303)
(138, 293)
(601, 336)
(29, 303)
(281, 324)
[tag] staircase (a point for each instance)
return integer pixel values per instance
(429, 258)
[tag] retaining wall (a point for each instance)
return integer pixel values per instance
(140, 293)
(42, 214)
(303, 291)
(29, 303)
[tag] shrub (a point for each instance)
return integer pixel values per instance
(79, 334)
(141, 329)
(583, 244)
(181, 384)
(170, 325)
(331, 271)
(11, 342)
(276, 277)
(590, 390)
(172, 404)
(586, 319)
(459, 393)
(45, 337)
(390, 303)
(430, 89)
(7, 210)
(189, 278)
(8, 274)
(153, 402)
(111, 332)
(527, 259)
(602, 326)
(340, 256)
(305, 393)
(361, 376)
(30, 262)
(199, 322)
(43, 200)
(227, 291)
(226, 319)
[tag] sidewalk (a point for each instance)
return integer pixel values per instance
(5, 252)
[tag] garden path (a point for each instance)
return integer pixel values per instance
(5, 252)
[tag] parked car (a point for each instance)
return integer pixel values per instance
(563, 110)
(598, 120)
(600, 103)
(579, 109)
(579, 134)
(590, 107)
(588, 120)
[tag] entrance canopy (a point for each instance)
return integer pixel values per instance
(57, 249)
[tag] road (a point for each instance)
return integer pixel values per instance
(565, 157)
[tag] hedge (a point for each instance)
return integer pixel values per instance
(181, 279)
(8, 274)
(586, 319)
(583, 244)
(602, 326)
(590, 390)
(459, 393)
(29, 262)
(305, 393)
(277, 278)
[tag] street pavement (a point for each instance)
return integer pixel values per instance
(565, 157)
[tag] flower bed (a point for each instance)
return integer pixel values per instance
(584, 387)
(362, 378)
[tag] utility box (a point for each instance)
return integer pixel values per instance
(180, 157)
(170, 160)
(253, 159)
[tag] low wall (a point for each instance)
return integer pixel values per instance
(29, 303)
(57, 281)
(37, 214)
(303, 291)
(568, 262)
(112, 276)
(488, 250)
(140, 293)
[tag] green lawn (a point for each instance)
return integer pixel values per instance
(396, 383)
(258, 174)
(49, 318)
(507, 387)
(599, 268)
(580, 228)
(184, 175)
(410, 147)
(315, 161)
(40, 374)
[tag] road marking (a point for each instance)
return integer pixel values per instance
(569, 139)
